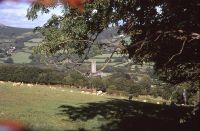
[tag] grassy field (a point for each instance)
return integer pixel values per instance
(21, 57)
(100, 60)
(42, 108)
(38, 107)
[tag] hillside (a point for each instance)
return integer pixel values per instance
(16, 44)
(16, 47)
(55, 108)
(11, 32)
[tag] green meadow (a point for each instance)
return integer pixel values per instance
(56, 108)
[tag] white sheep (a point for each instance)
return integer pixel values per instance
(17, 84)
(29, 85)
(99, 93)
(2, 82)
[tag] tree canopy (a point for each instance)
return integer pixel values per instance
(165, 32)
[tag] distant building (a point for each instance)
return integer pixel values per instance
(12, 49)
(93, 66)
(94, 71)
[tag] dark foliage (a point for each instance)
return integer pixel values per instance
(29, 74)
(9, 60)
(164, 32)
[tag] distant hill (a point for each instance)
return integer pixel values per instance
(16, 44)
(10, 32)
(21, 41)
(1, 25)
(107, 35)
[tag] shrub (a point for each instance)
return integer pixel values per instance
(2, 55)
(98, 83)
(135, 90)
(116, 92)
(9, 60)
(77, 79)
(28, 74)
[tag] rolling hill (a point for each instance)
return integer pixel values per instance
(21, 40)
(16, 47)
(16, 44)
(11, 32)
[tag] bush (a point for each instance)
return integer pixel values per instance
(2, 55)
(98, 83)
(77, 79)
(116, 92)
(9, 60)
(192, 94)
(135, 90)
(28, 74)
(123, 82)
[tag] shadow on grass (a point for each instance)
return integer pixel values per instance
(124, 115)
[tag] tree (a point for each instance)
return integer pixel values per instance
(9, 60)
(163, 32)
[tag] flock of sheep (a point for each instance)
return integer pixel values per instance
(86, 91)
(98, 93)
(21, 84)
(82, 90)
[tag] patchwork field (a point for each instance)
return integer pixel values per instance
(101, 60)
(22, 56)
(52, 108)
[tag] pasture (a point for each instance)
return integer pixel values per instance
(101, 60)
(21, 57)
(55, 108)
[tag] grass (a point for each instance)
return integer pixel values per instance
(21, 57)
(36, 40)
(30, 44)
(42, 108)
(100, 60)
(38, 107)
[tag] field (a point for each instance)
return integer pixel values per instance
(100, 60)
(43, 108)
(27, 39)
(22, 39)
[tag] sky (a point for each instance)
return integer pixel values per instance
(14, 14)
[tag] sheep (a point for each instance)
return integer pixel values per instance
(99, 93)
(2, 82)
(17, 84)
(29, 85)
(53, 88)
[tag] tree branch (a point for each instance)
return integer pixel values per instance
(104, 66)
(180, 52)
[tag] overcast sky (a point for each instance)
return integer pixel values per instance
(14, 14)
